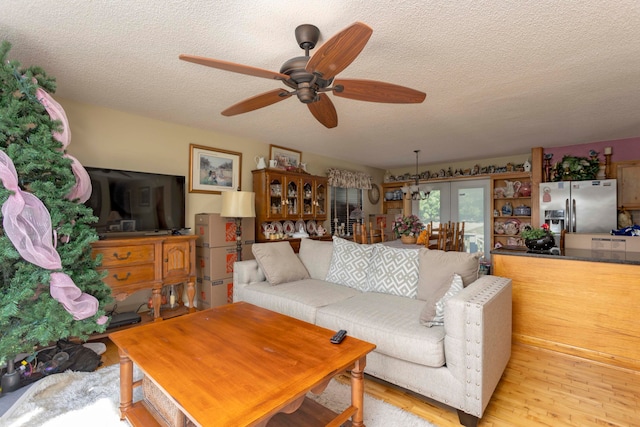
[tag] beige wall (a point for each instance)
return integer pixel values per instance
(103, 137)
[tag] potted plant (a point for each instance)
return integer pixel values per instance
(538, 239)
(408, 228)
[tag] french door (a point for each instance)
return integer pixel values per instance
(458, 201)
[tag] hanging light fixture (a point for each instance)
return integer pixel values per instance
(413, 192)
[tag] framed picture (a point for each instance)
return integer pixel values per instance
(285, 157)
(212, 170)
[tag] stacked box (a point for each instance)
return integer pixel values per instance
(215, 256)
(214, 231)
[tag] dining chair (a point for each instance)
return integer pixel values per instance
(458, 237)
(359, 233)
(376, 235)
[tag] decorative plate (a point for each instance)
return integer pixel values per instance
(288, 227)
(311, 227)
(277, 226)
(300, 223)
(264, 226)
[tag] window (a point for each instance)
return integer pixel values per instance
(343, 202)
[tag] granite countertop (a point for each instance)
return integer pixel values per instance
(616, 257)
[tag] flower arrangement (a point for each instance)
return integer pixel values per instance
(407, 226)
(535, 233)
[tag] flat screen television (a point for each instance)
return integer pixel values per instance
(136, 203)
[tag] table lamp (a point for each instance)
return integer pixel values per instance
(238, 205)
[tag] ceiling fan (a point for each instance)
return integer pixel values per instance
(311, 77)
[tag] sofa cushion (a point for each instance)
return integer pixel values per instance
(437, 267)
(394, 271)
(278, 262)
(350, 264)
(299, 299)
(316, 257)
(433, 312)
(391, 323)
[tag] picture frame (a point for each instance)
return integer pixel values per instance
(213, 170)
(285, 157)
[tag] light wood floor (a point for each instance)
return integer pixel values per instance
(538, 388)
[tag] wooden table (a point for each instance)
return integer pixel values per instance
(238, 365)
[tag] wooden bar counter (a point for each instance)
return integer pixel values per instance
(581, 302)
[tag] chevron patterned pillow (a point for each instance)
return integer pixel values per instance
(350, 264)
(394, 271)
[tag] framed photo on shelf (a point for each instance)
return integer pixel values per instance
(285, 157)
(212, 170)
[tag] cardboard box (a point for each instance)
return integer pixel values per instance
(217, 263)
(214, 293)
(215, 231)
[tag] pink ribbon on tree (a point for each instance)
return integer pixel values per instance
(27, 223)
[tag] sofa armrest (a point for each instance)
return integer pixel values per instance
(478, 330)
(244, 273)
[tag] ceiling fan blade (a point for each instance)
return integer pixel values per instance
(375, 91)
(258, 101)
(324, 111)
(339, 51)
(236, 68)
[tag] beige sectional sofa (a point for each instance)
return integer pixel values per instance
(440, 329)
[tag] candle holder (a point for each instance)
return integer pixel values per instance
(607, 162)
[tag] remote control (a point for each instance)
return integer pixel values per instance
(338, 337)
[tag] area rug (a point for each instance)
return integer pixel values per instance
(92, 398)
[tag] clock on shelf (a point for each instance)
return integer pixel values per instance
(374, 194)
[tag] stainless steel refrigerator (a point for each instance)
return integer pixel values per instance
(579, 206)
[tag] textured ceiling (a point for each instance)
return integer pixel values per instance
(500, 76)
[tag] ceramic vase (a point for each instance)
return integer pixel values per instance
(542, 244)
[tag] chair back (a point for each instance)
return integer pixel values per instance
(376, 235)
(359, 233)
(458, 237)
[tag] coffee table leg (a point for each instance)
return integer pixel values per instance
(357, 392)
(126, 383)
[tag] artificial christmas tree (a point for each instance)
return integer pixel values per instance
(49, 286)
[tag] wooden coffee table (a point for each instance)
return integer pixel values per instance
(238, 365)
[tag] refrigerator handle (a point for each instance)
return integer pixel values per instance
(574, 218)
(566, 215)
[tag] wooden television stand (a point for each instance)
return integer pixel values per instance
(148, 262)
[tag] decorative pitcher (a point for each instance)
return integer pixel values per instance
(260, 164)
(511, 188)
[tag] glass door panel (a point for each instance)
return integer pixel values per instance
(470, 203)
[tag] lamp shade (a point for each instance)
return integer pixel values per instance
(238, 204)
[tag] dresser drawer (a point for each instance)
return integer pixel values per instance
(124, 276)
(123, 255)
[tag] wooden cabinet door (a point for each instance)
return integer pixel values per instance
(628, 176)
(320, 198)
(308, 197)
(292, 198)
(176, 257)
(275, 200)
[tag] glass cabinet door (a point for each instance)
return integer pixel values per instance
(308, 200)
(321, 199)
(292, 200)
(276, 198)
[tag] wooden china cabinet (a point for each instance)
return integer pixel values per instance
(283, 196)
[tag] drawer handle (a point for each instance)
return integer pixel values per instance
(119, 258)
(115, 276)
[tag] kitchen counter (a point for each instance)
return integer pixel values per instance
(582, 302)
(616, 257)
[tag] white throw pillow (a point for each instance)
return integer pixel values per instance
(278, 262)
(316, 257)
(350, 264)
(394, 271)
(433, 312)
